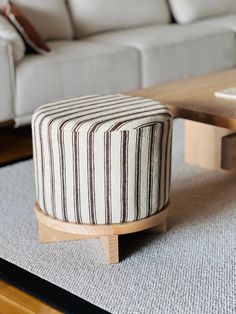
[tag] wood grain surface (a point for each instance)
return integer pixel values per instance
(15, 301)
(194, 98)
(101, 230)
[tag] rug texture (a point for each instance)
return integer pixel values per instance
(189, 269)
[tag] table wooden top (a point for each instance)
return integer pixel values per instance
(194, 98)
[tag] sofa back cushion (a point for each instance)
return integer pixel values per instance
(187, 11)
(94, 16)
(49, 17)
(232, 6)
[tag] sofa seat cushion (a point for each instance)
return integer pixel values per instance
(173, 52)
(76, 68)
(94, 16)
(49, 17)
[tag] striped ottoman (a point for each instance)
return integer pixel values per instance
(102, 166)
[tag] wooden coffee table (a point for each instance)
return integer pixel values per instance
(210, 138)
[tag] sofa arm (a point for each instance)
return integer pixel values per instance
(6, 81)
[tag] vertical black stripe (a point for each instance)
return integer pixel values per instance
(160, 165)
(91, 177)
(52, 175)
(150, 171)
(76, 177)
(155, 175)
(168, 161)
(35, 156)
(167, 131)
(107, 177)
(64, 174)
(124, 175)
(42, 166)
(138, 151)
(61, 151)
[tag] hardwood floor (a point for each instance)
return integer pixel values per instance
(15, 301)
(15, 144)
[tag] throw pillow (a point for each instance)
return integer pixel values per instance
(8, 33)
(26, 29)
(187, 11)
(50, 17)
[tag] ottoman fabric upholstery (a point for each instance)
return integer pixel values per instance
(102, 159)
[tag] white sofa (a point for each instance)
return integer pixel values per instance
(109, 46)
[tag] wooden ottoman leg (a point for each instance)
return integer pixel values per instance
(203, 144)
(111, 248)
(160, 228)
(47, 234)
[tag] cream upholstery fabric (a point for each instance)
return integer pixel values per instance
(2, 4)
(186, 11)
(9, 34)
(6, 81)
(232, 6)
(102, 159)
(75, 68)
(92, 16)
(226, 22)
(49, 17)
(173, 52)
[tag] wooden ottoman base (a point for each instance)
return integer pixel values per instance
(53, 230)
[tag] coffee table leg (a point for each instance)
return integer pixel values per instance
(209, 146)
